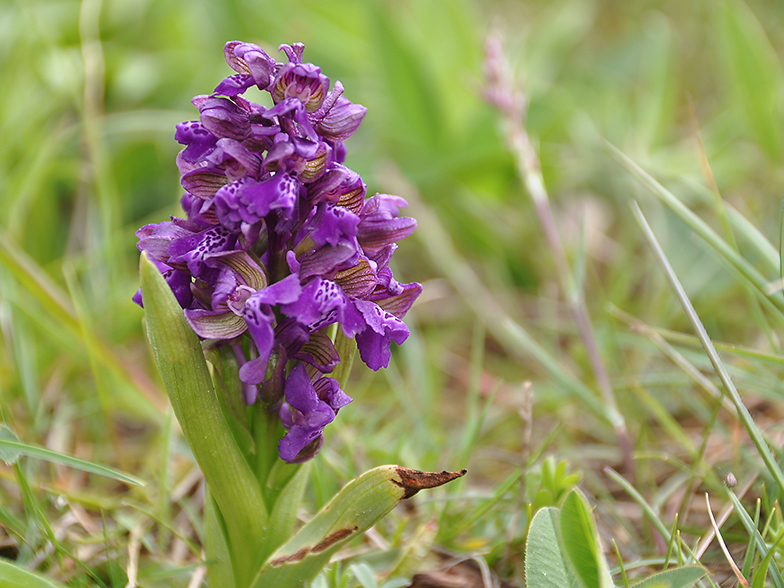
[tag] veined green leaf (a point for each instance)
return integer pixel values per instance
(185, 375)
(353, 510)
(580, 542)
(546, 565)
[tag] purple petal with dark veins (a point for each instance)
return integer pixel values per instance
(327, 259)
(329, 391)
(209, 324)
(319, 352)
(247, 58)
(342, 119)
(203, 182)
(358, 281)
(400, 303)
(303, 81)
(382, 328)
(224, 118)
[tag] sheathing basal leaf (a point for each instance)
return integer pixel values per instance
(353, 510)
(187, 380)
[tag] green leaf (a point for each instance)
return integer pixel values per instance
(580, 542)
(283, 515)
(187, 380)
(754, 72)
(745, 417)
(352, 511)
(219, 570)
(761, 573)
(8, 455)
(546, 565)
(11, 447)
(756, 536)
(364, 575)
(14, 577)
(676, 578)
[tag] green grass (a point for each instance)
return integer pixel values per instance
(92, 93)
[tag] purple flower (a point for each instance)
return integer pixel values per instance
(303, 81)
(338, 118)
(252, 64)
(310, 406)
(279, 243)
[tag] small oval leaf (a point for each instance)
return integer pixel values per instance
(546, 565)
(580, 541)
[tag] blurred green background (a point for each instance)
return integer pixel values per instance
(92, 91)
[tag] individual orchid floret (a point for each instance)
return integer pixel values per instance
(252, 64)
(223, 117)
(249, 201)
(310, 406)
(303, 81)
(381, 224)
(341, 186)
(338, 118)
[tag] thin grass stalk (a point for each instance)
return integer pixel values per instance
(745, 417)
(754, 535)
(721, 211)
(701, 228)
(692, 341)
(513, 107)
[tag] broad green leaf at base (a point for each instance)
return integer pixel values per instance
(352, 511)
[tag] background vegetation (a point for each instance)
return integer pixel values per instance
(494, 377)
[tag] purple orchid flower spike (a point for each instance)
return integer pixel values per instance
(280, 249)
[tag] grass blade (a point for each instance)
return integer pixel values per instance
(754, 533)
(748, 271)
(745, 417)
(66, 460)
(14, 577)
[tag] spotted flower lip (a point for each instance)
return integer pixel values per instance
(280, 248)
